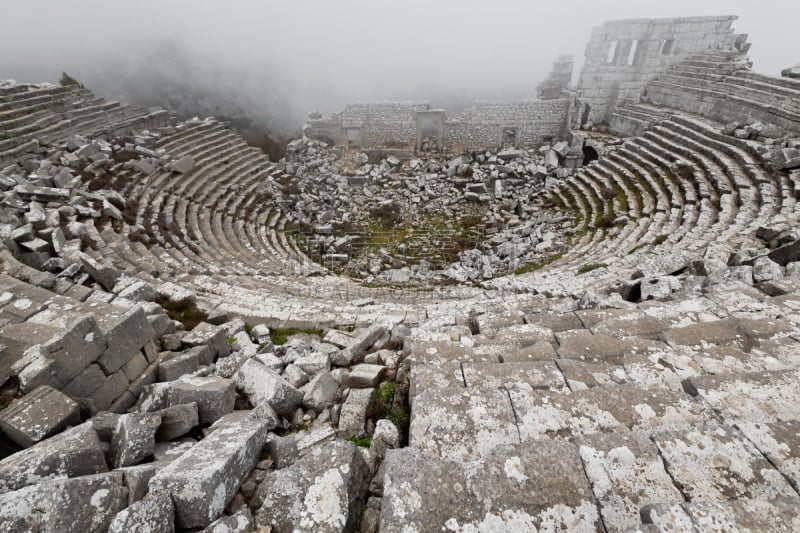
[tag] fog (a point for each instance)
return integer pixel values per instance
(279, 60)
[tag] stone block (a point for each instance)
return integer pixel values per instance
(323, 491)
(176, 366)
(150, 515)
(83, 505)
(214, 396)
(74, 452)
(205, 478)
(126, 331)
(214, 336)
(353, 416)
(261, 384)
(177, 420)
(321, 392)
(112, 388)
(134, 438)
(41, 414)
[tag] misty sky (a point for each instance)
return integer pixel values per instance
(326, 52)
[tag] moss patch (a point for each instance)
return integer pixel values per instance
(279, 336)
(184, 311)
(589, 267)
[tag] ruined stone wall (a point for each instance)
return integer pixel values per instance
(372, 124)
(623, 56)
(482, 125)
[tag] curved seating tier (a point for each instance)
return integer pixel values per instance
(686, 186)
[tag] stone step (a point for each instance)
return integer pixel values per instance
(543, 488)
(762, 397)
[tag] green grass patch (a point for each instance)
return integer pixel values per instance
(363, 442)
(231, 340)
(184, 311)
(660, 239)
(589, 267)
(279, 336)
(638, 247)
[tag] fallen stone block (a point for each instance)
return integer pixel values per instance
(77, 342)
(75, 452)
(41, 414)
(321, 392)
(214, 336)
(126, 332)
(323, 491)
(177, 420)
(214, 396)
(284, 451)
(150, 515)
(134, 438)
(205, 478)
(177, 365)
(261, 384)
(353, 415)
(364, 376)
(239, 522)
(183, 165)
(357, 349)
(785, 254)
(106, 276)
(83, 505)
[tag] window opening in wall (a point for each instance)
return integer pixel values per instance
(612, 52)
(667, 47)
(632, 53)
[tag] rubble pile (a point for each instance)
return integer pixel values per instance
(473, 217)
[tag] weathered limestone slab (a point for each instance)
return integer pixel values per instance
(239, 522)
(286, 450)
(724, 331)
(75, 452)
(214, 396)
(313, 363)
(462, 425)
(172, 368)
(126, 331)
(82, 505)
(626, 473)
(205, 478)
(354, 412)
(746, 514)
(535, 375)
(425, 377)
(321, 392)
(364, 376)
(359, 346)
(41, 414)
(261, 384)
(540, 351)
(780, 443)
(322, 492)
(546, 415)
(581, 375)
(600, 348)
(757, 397)
(150, 515)
(718, 463)
(134, 438)
(208, 334)
(177, 420)
(77, 344)
(543, 488)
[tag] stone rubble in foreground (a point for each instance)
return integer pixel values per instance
(646, 380)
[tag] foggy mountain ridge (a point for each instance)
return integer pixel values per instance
(273, 62)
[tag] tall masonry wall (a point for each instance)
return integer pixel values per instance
(623, 56)
(532, 122)
(484, 125)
